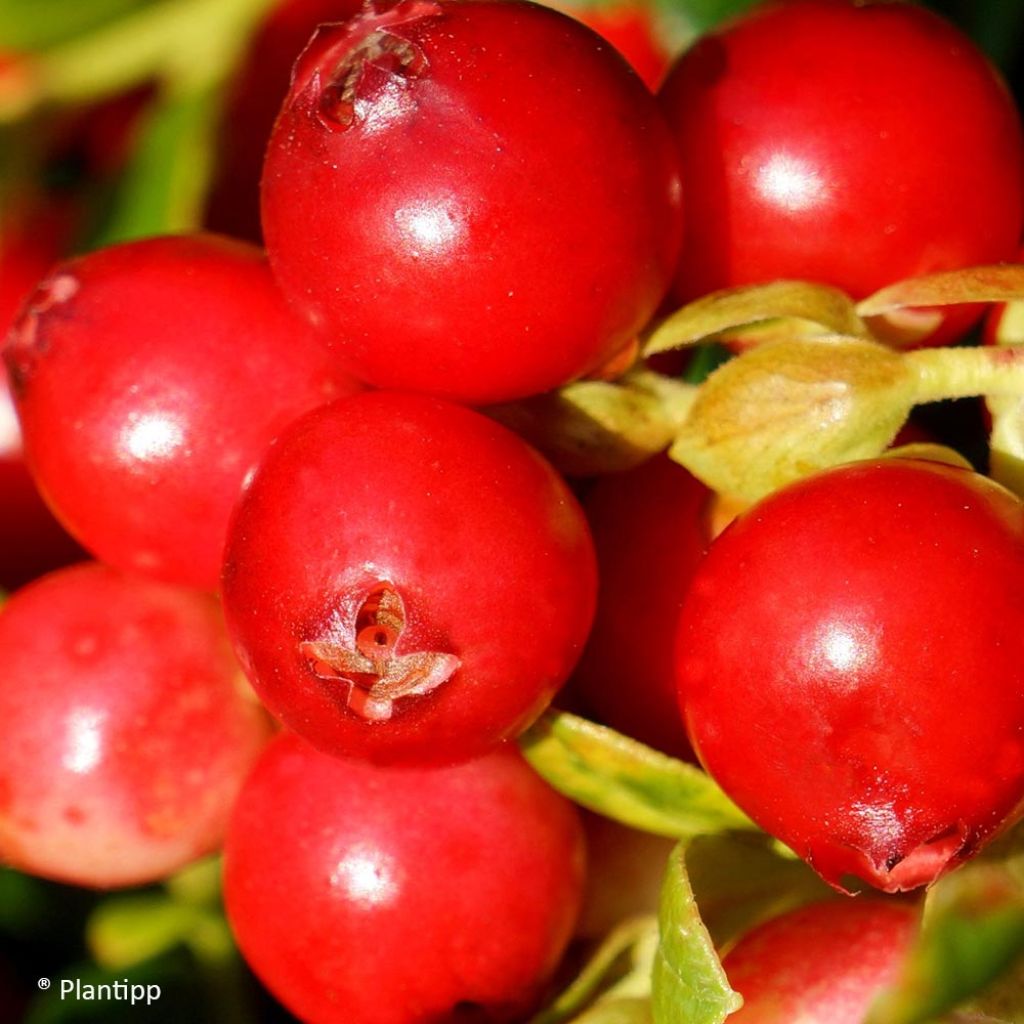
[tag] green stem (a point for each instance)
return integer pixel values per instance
(177, 41)
(940, 373)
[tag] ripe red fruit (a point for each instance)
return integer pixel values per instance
(847, 648)
(401, 895)
(821, 964)
(826, 140)
(650, 533)
(149, 377)
(405, 579)
(461, 217)
(128, 727)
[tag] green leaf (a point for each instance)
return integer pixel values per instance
(128, 930)
(784, 410)
(704, 14)
(706, 359)
(903, 313)
(34, 24)
(622, 779)
(1002, 282)
(799, 304)
(973, 930)
(198, 884)
(688, 982)
(625, 1010)
(1001, 1002)
(595, 426)
(739, 882)
(180, 43)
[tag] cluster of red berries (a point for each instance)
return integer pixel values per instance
(281, 462)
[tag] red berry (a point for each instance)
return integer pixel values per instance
(821, 964)
(847, 648)
(826, 140)
(406, 579)
(462, 216)
(369, 895)
(650, 533)
(128, 727)
(149, 378)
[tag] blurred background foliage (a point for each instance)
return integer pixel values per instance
(126, 118)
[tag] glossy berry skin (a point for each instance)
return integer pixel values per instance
(815, 147)
(407, 580)
(461, 217)
(848, 648)
(401, 895)
(149, 377)
(650, 531)
(822, 964)
(128, 727)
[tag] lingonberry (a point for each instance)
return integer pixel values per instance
(650, 533)
(822, 964)
(406, 579)
(128, 727)
(813, 146)
(149, 377)
(460, 217)
(401, 895)
(847, 648)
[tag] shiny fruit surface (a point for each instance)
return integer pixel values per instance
(814, 148)
(407, 580)
(149, 377)
(402, 895)
(128, 727)
(822, 964)
(454, 217)
(848, 647)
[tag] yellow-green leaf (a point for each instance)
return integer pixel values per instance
(780, 412)
(689, 985)
(622, 779)
(1001, 282)
(827, 310)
